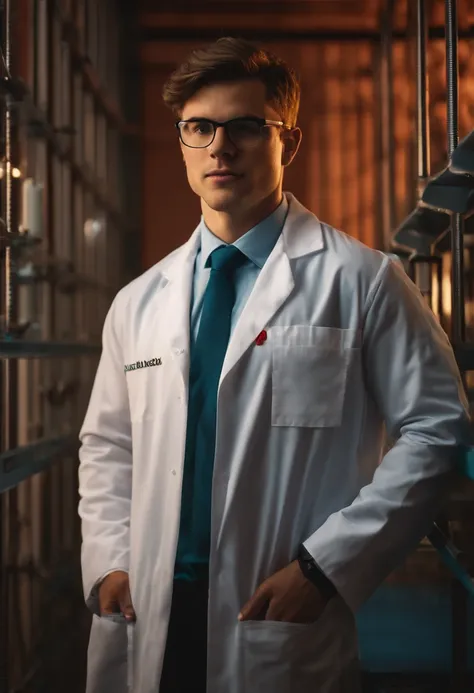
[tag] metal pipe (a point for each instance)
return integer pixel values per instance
(422, 94)
(20, 463)
(424, 270)
(22, 349)
(8, 380)
(172, 34)
(459, 595)
(386, 113)
(452, 74)
(8, 173)
(457, 223)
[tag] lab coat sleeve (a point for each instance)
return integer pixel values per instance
(105, 469)
(412, 375)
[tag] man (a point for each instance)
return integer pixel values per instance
(233, 498)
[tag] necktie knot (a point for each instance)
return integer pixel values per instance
(226, 257)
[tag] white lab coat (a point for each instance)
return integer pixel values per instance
(299, 437)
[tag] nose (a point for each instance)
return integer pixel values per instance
(222, 145)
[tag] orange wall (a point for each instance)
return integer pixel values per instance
(335, 173)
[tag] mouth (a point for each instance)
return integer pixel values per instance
(222, 175)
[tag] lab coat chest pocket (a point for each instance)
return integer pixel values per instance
(310, 367)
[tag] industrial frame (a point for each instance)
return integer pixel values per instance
(68, 242)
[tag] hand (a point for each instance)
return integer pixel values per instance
(114, 595)
(285, 596)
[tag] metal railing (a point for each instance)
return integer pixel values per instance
(23, 462)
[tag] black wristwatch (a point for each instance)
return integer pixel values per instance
(311, 572)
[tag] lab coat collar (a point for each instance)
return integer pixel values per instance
(175, 300)
(302, 235)
(302, 232)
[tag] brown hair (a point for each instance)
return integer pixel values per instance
(232, 60)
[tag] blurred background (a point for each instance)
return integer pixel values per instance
(93, 192)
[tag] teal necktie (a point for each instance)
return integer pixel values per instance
(207, 357)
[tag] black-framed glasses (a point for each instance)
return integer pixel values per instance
(199, 133)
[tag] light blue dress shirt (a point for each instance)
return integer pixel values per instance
(256, 244)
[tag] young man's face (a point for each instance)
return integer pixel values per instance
(255, 168)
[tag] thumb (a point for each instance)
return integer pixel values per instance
(125, 602)
(109, 604)
(254, 607)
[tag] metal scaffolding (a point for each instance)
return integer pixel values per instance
(436, 236)
(68, 177)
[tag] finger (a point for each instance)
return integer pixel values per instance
(274, 611)
(126, 606)
(109, 605)
(256, 604)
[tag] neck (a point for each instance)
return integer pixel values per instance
(229, 227)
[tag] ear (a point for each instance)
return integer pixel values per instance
(291, 144)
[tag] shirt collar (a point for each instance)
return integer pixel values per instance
(256, 244)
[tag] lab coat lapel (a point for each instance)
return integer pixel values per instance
(273, 286)
(302, 234)
(176, 299)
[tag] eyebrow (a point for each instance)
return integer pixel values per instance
(245, 115)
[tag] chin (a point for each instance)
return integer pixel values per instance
(222, 200)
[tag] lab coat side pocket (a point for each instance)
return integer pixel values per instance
(107, 659)
(321, 657)
(309, 385)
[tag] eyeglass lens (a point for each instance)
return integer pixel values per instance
(200, 133)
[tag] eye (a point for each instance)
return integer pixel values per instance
(200, 127)
(244, 128)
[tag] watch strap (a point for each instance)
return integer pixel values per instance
(315, 575)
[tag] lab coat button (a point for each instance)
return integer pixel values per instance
(173, 472)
